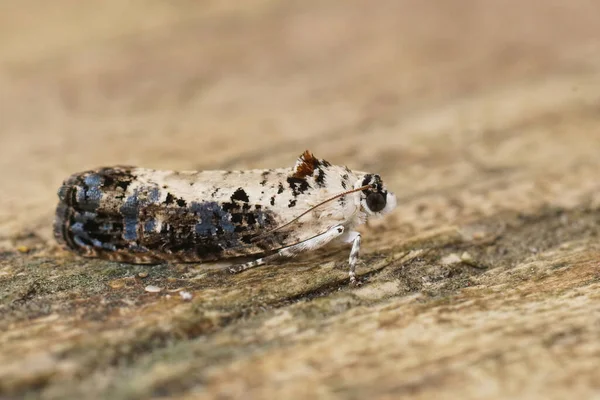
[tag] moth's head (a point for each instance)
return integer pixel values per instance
(375, 200)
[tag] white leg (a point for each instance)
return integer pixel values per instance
(290, 251)
(234, 269)
(353, 237)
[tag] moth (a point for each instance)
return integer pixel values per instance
(144, 216)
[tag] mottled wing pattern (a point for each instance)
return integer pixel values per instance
(112, 213)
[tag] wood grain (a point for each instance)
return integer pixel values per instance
(482, 116)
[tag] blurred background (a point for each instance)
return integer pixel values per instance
(397, 87)
(482, 115)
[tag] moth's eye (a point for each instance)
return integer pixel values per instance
(376, 201)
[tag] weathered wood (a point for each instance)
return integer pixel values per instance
(484, 117)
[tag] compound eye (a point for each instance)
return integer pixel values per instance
(376, 201)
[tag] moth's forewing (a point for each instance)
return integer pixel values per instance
(132, 215)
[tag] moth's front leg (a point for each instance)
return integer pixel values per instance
(313, 243)
(354, 238)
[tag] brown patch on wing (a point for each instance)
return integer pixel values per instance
(306, 165)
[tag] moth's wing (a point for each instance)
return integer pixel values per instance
(91, 216)
(207, 230)
(102, 214)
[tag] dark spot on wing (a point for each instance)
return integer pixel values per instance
(320, 179)
(297, 185)
(292, 203)
(170, 199)
(344, 180)
(116, 177)
(281, 188)
(230, 207)
(123, 184)
(240, 195)
(272, 200)
(265, 175)
(181, 202)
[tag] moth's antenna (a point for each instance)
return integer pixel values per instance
(337, 196)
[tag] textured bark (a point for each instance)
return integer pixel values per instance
(483, 117)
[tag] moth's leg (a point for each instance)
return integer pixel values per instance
(234, 269)
(309, 244)
(354, 238)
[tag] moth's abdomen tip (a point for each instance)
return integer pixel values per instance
(59, 227)
(79, 197)
(68, 185)
(64, 193)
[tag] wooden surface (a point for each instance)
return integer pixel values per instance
(483, 117)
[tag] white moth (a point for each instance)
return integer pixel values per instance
(138, 215)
